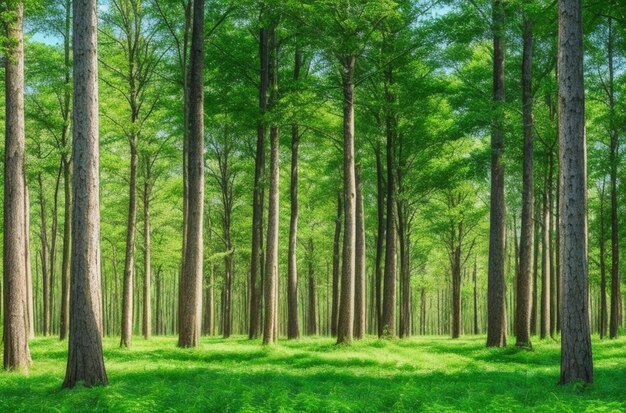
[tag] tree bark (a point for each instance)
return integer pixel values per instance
(15, 324)
(312, 328)
(256, 260)
(293, 327)
(496, 306)
(576, 358)
(190, 300)
(603, 324)
(380, 237)
(129, 263)
(345, 324)
(545, 327)
(336, 263)
(85, 361)
(360, 275)
(147, 256)
(525, 275)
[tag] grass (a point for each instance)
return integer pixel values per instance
(313, 375)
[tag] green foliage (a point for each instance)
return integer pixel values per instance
(422, 374)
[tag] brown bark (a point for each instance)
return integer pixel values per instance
(380, 237)
(293, 327)
(147, 256)
(190, 300)
(345, 323)
(496, 305)
(389, 288)
(85, 361)
(129, 263)
(336, 263)
(312, 328)
(576, 358)
(545, 327)
(256, 260)
(45, 275)
(359, 278)
(603, 324)
(525, 275)
(476, 330)
(15, 324)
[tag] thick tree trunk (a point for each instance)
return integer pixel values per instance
(15, 324)
(85, 361)
(496, 306)
(345, 323)
(360, 275)
(336, 263)
(576, 358)
(525, 275)
(190, 300)
(293, 327)
(129, 263)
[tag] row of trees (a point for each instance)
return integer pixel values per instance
(404, 189)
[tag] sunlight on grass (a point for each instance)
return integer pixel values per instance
(431, 374)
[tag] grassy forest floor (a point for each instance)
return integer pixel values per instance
(421, 374)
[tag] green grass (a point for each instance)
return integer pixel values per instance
(236, 375)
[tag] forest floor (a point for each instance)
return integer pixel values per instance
(419, 374)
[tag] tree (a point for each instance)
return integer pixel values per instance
(16, 354)
(360, 291)
(576, 357)
(190, 297)
(525, 275)
(496, 323)
(85, 361)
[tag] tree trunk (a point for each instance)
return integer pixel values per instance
(545, 267)
(15, 324)
(476, 331)
(312, 328)
(389, 289)
(129, 263)
(380, 237)
(45, 276)
(65, 265)
(147, 264)
(293, 328)
(336, 261)
(345, 324)
(256, 260)
(613, 161)
(30, 303)
(359, 279)
(602, 245)
(190, 302)
(525, 275)
(85, 361)
(576, 358)
(496, 324)
(271, 261)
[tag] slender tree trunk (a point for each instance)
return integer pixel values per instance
(45, 275)
(360, 275)
(380, 237)
(389, 289)
(147, 257)
(312, 328)
(129, 263)
(190, 301)
(271, 262)
(476, 331)
(576, 358)
(345, 322)
(545, 267)
(29, 271)
(602, 245)
(496, 324)
(336, 261)
(293, 327)
(616, 296)
(85, 361)
(525, 275)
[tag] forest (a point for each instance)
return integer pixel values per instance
(313, 205)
